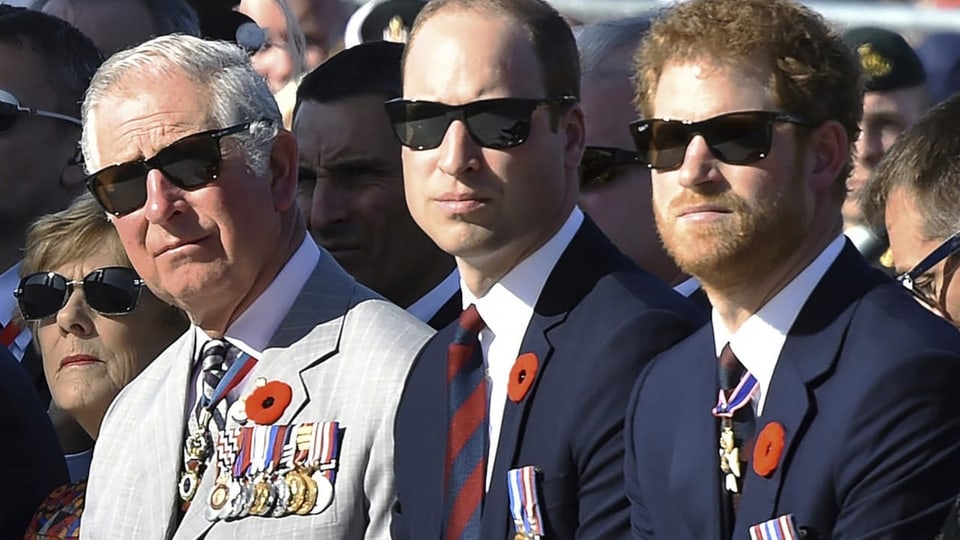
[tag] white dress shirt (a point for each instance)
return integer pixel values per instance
(507, 309)
(9, 281)
(429, 304)
(252, 330)
(759, 341)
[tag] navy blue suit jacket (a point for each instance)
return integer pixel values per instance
(866, 390)
(31, 462)
(598, 320)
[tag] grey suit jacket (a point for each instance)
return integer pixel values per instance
(344, 351)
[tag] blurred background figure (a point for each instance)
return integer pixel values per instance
(220, 20)
(45, 67)
(614, 185)
(114, 25)
(351, 183)
(895, 97)
(915, 197)
(323, 23)
(382, 20)
(97, 327)
(281, 57)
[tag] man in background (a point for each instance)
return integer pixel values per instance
(351, 183)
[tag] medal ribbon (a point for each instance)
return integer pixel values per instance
(241, 366)
(524, 505)
(740, 396)
(330, 450)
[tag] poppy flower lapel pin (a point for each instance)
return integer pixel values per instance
(522, 374)
(768, 449)
(268, 401)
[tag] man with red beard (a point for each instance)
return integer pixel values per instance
(821, 397)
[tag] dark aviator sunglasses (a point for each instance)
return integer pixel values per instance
(492, 123)
(188, 163)
(111, 290)
(11, 110)
(911, 281)
(737, 138)
(599, 164)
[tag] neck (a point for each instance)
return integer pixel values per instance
(736, 301)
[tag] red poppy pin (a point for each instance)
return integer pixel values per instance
(265, 405)
(768, 449)
(522, 373)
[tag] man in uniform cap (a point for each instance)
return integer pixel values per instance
(382, 20)
(895, 97)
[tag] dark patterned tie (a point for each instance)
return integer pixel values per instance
(215, 360)
(730, 373)
(466, 450)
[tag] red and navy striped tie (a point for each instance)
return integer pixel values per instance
(466, 452)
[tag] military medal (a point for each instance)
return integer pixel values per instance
(727, 406)
(525, 503)
(780, 528)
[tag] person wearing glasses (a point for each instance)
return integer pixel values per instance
(271, 415)
(350, 184)
(614, 185)
(821, 400)
(556, 323)
(914, 200)
(97, 327)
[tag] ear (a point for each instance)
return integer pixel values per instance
(831, 151)
(284, 159)
(72, 174)
(574, 126)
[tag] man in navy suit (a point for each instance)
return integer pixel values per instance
(493, 133)
(845, 422)
(31, 462)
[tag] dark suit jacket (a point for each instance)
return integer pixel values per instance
(31, 462)
(448, 312)
(596, 323)
(866, 390)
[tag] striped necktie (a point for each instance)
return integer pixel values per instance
(215, 360)
(466, 449)
(731, 372)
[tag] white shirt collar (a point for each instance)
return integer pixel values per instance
(429, 304)
(758, 342)
(254, 328)
(688, 287)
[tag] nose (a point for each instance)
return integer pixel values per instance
(697, 163)
(458, 151)
(330, 205)
(75, 316)
(163, 197)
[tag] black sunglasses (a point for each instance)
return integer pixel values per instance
(737, 138)
(112, 290)
(598, 164)
(11, 110)
(189, 163)
(492, 123)
(910, 279)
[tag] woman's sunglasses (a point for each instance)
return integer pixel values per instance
(737, 138)
(911, 279)
(11, 110)
(112, 290)
(599, 163)
(189, 163)
(492, 123)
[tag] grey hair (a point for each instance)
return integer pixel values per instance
(169, 16)
(600, 40)
(296, 41)
(233, 92)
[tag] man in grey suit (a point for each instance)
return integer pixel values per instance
(272, 415)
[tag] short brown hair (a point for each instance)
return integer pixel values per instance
(548, 32)
(813, 74)
(924, 162)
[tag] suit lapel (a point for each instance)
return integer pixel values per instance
(810, 352)
(694, 468)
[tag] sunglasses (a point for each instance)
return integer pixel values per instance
(112, 290)
(598, 164)
(737, 138)
(492, 123)
(189, 163)
(911, 280)
(11, 110)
